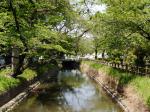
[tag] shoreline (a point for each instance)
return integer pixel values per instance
(21, 93)
(129, 101)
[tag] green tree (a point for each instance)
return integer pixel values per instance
(35, 28)
(125, 29)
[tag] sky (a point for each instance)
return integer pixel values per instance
(93, 8)
(100, 8)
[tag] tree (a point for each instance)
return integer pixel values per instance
(85, 46)
(33, 28)
(124, 27)
(130, 15)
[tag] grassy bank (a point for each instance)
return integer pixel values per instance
(140, 83)
(7, 82)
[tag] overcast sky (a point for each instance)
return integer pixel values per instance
(100, 8)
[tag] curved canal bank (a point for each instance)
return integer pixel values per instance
(126, 96)
(28, 82)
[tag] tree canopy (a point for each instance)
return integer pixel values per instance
(124, 29)
(51, 28)
(36, 28)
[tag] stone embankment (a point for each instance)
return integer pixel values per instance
(129, 101)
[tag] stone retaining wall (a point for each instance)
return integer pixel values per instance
(15, 101)
(94, 75)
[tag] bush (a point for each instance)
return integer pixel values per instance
(28, 74)
(96, 66)
(6, 71)
(7, 82)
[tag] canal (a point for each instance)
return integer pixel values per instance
(68, 91)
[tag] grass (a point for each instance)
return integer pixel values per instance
(140, 83)
(28, 74)
(7, 82)
(6, 71)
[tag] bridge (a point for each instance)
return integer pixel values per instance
(70, 63)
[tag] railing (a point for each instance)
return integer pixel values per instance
(129, 68)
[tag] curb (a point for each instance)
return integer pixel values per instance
(18, 99)
(112, 94)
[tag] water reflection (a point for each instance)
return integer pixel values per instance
(73, 92)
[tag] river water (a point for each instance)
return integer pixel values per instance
(68, 91)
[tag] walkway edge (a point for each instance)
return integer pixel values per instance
(9, 106)
(102, 85)
(19, 98)
(113, 96)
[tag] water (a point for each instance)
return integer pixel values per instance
(72, 92)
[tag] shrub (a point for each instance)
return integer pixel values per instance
(7, 82)
(28, 74)
(6, 71)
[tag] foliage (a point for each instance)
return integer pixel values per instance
(5, 72)
(85, 46)
(123, 30)
(148, 101)
(7, 83)
(28, 75)
(36, 28)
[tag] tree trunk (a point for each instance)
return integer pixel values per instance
(19, 68)
(96, 53)
(140, 61)
(12, 60)
(7, 59)
(103, 54)
(140, 53)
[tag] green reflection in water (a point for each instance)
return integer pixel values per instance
(73, 92)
